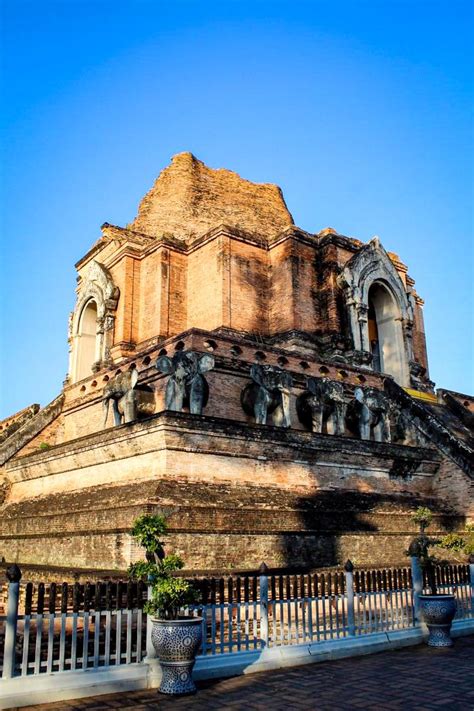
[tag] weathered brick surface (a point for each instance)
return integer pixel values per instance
(188, 199)
(11, 424)
(211, 250)
(44, 428)
(232, 492)
(451, 484)
(205, 283)
(419, 339)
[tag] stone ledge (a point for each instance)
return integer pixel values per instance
(217, 426)
(30, 428)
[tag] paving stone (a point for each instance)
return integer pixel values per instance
(413, 679)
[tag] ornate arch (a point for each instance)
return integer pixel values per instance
(372, 265)
(97, 286)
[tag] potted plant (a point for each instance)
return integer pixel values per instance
(176, 637)
(437, 609)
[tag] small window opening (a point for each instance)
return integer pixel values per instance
(210, 345)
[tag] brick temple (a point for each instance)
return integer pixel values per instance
(313, 328)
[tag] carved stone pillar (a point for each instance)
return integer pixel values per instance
(354, 322)
(362, 318)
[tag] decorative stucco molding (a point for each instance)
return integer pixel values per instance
(369, 266)
(97, 286)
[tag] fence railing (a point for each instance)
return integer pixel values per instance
(54, 628)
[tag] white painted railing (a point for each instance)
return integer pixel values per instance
(37, 639)
(56, 642)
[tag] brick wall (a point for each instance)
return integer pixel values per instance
(452, 485)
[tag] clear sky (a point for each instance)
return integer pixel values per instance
(360, 111)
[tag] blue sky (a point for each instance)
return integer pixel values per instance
(360, 111)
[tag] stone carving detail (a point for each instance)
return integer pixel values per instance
(323, 405)
(372, 411)
(128, 401)
(99, 287)
(419, 378)
(372, 265)
(361, 359)
(5, 487)
(187, 386)
(404, 431)
(100, 275)
(268, 394)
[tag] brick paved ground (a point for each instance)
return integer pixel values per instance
(418, 678)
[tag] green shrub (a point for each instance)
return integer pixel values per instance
(147, 530)
(419, 547)
(168, 596)
(460, 542)
(169, 592)
(422, 517)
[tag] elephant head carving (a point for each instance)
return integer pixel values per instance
(269, 393)
(372, 411)
(186, 386)
(323, 405)
(128, 399)
(404, 430)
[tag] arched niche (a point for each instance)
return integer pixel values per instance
(86, 343)
(385, 332)
(91, 324)
(377, 302)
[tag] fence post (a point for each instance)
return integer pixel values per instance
(263, 570)
(471, 576)
(417, 577)
(349, 573)
(13, 576)
(154, 669)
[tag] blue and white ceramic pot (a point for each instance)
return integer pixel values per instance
(176, 644)
(438, 612)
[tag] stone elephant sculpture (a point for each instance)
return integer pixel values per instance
(323, 405)
(404, 431)
(372, 412)
(128, 400)
(269, 393)
(187, 386)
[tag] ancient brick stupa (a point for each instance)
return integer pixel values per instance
(265, 387)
